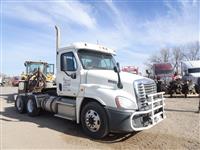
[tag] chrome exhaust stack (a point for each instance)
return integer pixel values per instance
(57, 37)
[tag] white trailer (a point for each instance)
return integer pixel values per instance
(91, 90)
(190, 70)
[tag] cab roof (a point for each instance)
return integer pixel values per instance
(89, 46)
(192, 63)
(34, 62)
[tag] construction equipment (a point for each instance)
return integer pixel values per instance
(39, 75)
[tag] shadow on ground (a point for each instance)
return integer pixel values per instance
(47, 120)
(179, 110)
(8, 97)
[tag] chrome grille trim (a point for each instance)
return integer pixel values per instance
(143, 88)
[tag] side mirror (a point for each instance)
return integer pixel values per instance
(148, 72)
(115, 69)
(73, 75)
(118, 66)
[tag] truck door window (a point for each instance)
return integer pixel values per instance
(68, 62)
(193, 70)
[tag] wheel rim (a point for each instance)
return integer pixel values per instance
(30, 105)
(19, 103)
(92, 120)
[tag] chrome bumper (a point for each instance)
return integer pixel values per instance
(154, 116)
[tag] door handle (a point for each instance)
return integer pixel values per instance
(60, 87)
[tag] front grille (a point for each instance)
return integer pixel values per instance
(143, 88)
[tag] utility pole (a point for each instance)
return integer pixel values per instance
(199, 102)
(198, 81)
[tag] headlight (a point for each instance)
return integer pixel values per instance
(123, 102)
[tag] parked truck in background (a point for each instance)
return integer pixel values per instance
(91, 90)
(190, 71)
(130, 69)
(15, 80)
(163, 71)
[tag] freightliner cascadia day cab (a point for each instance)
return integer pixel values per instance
(91, 90)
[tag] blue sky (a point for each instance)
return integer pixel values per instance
(136, 29)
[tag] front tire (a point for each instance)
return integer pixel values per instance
(32, 108)
(94, 120)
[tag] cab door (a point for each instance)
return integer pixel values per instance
(69, 78)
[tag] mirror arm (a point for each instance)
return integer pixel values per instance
(117, 70)
(119, 84)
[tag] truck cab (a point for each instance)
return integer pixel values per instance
(91, 90)
(190, 71)
(163, 71)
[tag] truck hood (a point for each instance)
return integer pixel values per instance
(109, 79)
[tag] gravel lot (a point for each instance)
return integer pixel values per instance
(180, 130)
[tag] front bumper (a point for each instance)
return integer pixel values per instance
(128, 121)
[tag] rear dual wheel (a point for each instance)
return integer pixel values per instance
(31, 107)
(20, 104)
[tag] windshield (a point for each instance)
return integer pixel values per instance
(163, 72)
(32, 68)
(194, 70)
(96, 60)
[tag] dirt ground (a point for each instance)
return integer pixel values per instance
(180, 130)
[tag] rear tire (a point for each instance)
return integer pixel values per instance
(20, 104)
(32, 108)
(94, 120)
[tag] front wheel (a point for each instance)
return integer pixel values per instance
(94, 120)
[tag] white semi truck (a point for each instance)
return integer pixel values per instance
(91, 90)
(190, 71)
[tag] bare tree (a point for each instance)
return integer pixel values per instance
(165, 55)
(192, 52)
(155, 59)
(177, 57)
(152, 60)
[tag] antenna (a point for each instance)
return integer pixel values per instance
(57, 37)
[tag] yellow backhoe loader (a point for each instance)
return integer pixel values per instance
(39, 75)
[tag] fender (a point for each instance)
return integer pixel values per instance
(102, 94)
(79, 101)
